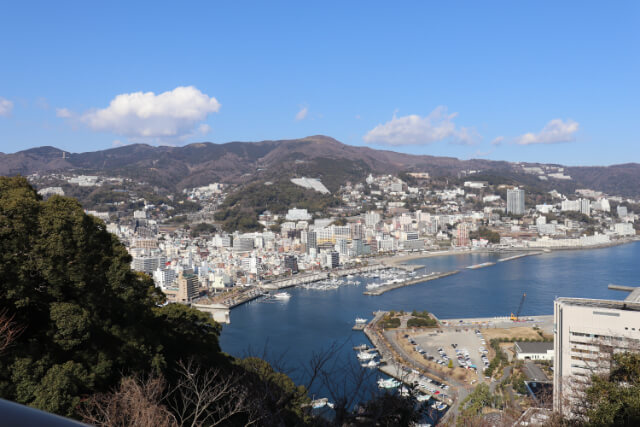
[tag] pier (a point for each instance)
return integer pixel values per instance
(386, 288)
(303, 279)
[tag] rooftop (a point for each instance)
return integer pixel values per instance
(534, 347)
(603, 303)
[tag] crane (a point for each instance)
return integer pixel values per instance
(516, 317)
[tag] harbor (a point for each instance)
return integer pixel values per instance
(313, 320)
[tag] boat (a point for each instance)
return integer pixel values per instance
(363, 355)
(389, 383)
(371, 364)
(282, 295)
(320, 403)
(423, 398)
(361, 347)
(360, 320)
(439, 406)
(351, 276)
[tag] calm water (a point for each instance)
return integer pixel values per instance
(313, 320)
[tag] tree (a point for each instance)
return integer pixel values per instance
(614, 398)
(87, 317)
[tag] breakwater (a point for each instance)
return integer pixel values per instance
(386, 288)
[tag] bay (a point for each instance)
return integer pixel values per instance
(288, 333)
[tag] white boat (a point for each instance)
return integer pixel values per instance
(351, 276)
(423, 398)
(360, 320)
(389, 383)
(370, 364)
(282, 295)
(363, 355)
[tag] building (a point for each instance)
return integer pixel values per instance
(534, 350)
(291, 263)
(624, 229)
(187, 287)
(622, 211)
(243, 244)
(312, 241)
(147, 264)
(585, 207)
(297, 215)
(462, 234)
(164, 278)
(335, 259)
(587, 332)
(372, 218)
(515, 201)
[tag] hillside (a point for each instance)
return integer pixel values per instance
(175, 168)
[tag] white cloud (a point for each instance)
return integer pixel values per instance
(497, 141)
(204, 129)
(118, 143)
(145, 116)
(416, 130)
(302, 114)
(5, 106)
(554, 132)
(64, 113)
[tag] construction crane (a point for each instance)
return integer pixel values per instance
(516, 317)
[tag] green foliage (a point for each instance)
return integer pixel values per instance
(389, 321)
(275, 390)
(88, 318)
(614, 399)
(485, 233)
(499, 359)
(518, 383)
(241, 208)
(202, 228)
(421, 320)
(475, 402)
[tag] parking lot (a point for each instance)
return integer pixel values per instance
(462, 347)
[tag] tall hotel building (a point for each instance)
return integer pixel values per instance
(515, 201)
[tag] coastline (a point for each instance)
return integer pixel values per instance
(401, 259)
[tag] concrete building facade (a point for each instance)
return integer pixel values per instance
(587, 332)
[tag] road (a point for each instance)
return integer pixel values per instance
(534, 372)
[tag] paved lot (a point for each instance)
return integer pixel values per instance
(534, 372)
(464, 340)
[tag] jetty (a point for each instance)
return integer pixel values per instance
(520, 256)
(413, 281)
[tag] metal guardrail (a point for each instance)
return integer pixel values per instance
(16, 415)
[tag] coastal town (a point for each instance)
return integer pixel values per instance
(377, 224)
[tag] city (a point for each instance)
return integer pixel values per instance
(319, 214)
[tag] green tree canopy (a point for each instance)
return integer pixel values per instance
(87, 317)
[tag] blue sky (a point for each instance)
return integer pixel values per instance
(520, 81)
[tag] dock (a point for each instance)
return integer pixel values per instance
(386, 288)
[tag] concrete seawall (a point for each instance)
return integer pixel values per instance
(386, 288)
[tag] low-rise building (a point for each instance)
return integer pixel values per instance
(534, 350)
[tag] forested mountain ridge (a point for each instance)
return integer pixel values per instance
(175, 168)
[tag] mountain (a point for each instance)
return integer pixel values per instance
(318, 156)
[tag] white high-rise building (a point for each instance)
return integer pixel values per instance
(587, 332)
(371, 219)
(515, 201)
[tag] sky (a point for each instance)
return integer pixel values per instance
(544, 81)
